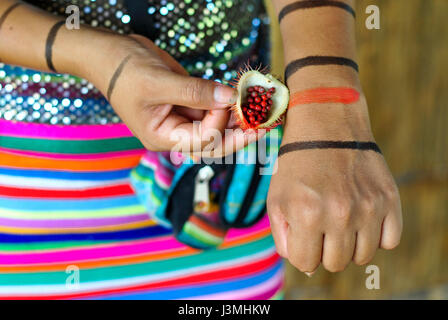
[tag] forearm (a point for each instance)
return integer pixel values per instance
(322, 31)
(24, 41)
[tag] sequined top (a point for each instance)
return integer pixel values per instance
(211, 39)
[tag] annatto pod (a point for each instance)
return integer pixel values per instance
(262, 100)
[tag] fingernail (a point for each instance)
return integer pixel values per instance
(309, 274)
(225, 95)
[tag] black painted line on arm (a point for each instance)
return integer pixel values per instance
(116, 75)
(309, 4)
(7, 12)
(295, 65)
(49, 44)
(328, 144)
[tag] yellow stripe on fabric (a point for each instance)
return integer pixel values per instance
(121, 227)
(73, 214)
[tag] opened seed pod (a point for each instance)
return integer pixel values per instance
(262, 100)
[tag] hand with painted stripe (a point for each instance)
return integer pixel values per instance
(333, 199)
(165, 107)
(150, 91)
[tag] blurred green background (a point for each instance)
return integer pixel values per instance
(403, 68)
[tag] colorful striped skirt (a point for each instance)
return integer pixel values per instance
(71, 226)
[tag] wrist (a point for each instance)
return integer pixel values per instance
(327, 121)
(327, 76)
(90, 53)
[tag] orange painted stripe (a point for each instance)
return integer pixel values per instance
(129, 260)
(324, 95)
(19, 161)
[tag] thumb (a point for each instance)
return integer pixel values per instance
(198, 93)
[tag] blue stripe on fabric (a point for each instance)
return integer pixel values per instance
(202, 289)
(67, 205)
(65, 175)
(241, 180)
(166, 163)
(147, 232)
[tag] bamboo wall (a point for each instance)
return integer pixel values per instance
(403, 67)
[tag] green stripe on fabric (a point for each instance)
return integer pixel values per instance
(71, 146)
(278, 296)
(134, 270)
(39, 246)
(201, 235)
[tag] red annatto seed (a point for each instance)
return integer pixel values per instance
(256, 109)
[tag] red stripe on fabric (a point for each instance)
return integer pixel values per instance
(107, 191)
(207, 277)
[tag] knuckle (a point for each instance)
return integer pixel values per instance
(310, 218)
(307, 212)
(340, 209)
(192, 91)
(390, 191)
(368, 206)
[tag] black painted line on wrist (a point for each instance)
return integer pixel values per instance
(309, 4)
(295, 65)
(49, 44)
(7, 12)
(116, 75)
(328, 144)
